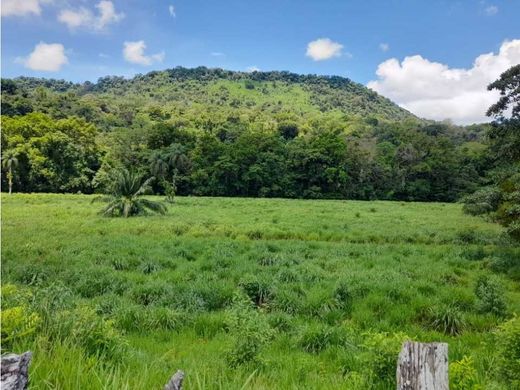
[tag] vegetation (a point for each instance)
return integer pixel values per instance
(218, 133)
(126, 196)
(501, 198)
(266, 293)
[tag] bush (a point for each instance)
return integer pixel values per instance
(446, 319)
(463, 375)
(98, 337)
(381, 352)
(17, 323)
(250, 330)
(483, 201)
(508, 345)
(490, 294)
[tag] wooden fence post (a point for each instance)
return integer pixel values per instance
(175, 382)
(15, 371)
(423, 366)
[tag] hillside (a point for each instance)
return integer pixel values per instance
(220, 133)
(269, 93)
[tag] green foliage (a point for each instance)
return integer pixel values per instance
(18, 322)
(463, 375)
(490, 294)
(125, 196)
(508, 344)
(316, 338)
(381, 351)
(250, 331)
(218, 133)
(447, 319)
(504, 199)
(483, 201)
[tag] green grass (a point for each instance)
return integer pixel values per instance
(248, 293)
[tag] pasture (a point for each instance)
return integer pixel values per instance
(252, 293)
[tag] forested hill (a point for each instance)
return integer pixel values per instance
(269, 92)
(220, 133)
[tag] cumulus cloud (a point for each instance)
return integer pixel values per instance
(171, 10)
(435, 91)
(47, 57)
(83, 17)
(134, 53)
(491, 10)
(21, 7)
(323, 49)
(384, 47)
(253, 68)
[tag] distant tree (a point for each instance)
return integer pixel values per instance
(125, 197)
(9, 161)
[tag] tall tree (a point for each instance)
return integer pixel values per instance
(9, 161)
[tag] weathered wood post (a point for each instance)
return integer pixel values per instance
(423, 366)
(15, 371)
(175, 382)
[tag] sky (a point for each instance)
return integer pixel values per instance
(434, 58)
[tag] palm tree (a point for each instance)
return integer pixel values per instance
(9, 161)
(125, 197)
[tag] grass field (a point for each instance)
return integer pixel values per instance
(251, 293)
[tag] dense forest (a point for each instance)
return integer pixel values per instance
(221, 133)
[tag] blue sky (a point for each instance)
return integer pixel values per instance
(356, 36)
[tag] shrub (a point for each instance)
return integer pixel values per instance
(447, 319)
(98, 337)
(485, 200)
(381, 352)
(463, 375)
(250, 330)
(490, 294)
(508, 344)
(17, 323)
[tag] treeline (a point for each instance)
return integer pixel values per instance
(384, 161)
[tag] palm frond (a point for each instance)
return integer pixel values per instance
(156, 207)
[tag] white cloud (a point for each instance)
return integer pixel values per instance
(384, 47)
(435, 91)
(253, 68)
(21, 7)
(491, 10)
(134, 53)
(83, 17)
(171, 10)
(323, 49)
(217, 54)
(47, 57)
